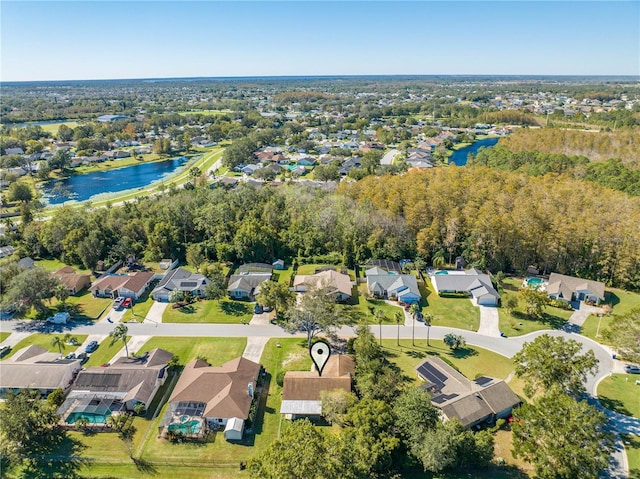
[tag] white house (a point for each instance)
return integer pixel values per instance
(473, 282)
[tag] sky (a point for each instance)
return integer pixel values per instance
(81, 40)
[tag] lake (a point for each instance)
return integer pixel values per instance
(459, 157)
(84, 187)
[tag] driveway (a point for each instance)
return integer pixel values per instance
(253, 349)
(489, 321)
(155, 312)
(134, 344)
(580, 315)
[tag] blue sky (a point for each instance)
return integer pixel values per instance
(97, 39)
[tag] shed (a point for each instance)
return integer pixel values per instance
(233, 430)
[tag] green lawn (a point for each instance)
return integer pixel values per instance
(306, 269)
(452, 312)
(517, 323)
(632, 447)
(54, 265)
(620, 393)
(105, 352)
(216, 350)
(44, 341)
(4, 335)
(85, 306)
(360, 305)
(210, 311)
(283, 276)
(621, 301)
(140, 309)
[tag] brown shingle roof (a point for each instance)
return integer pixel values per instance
(72, 280)
(307, 385)
(109, 282)
(224, 389)
(138, 280)
(336, 282)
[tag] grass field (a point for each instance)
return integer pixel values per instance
(140, 309)
(620, 393)
(54, 265)
(451, 312)
(361, 305)
(283, 276)
(517, 323)
(44, 341)
(210, 311)
(4, 335)
(105, 352)
(632, 447)
(216, 350)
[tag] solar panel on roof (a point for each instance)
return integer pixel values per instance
(442, 398)
(483, 381)
(97, 380)
(188, 284)
(431, 374)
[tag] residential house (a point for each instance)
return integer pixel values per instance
(14, 151)
(182, 280)
(278, 264)
(218, 396)
(302, 390)
(26, 263)
(250, 169)
(391, 285)
(306, 161)
(73, 281)
(245, 283)
(125, 286)
(100, 391)
(472, 282)
(338, 285)
(298, 171)
(6, 251)
(388, 265)
(36, 368)
(110, 118)
(483, 400)
(571, 288)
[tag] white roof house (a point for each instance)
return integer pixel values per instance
(475, 283)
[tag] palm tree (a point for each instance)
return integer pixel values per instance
(120, 334)
(427, 320)
(414, 310)
(70, 339)
(438, 259)
(399, 317)
(56, 341)
(380, 316)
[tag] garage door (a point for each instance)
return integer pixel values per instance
(487, 301)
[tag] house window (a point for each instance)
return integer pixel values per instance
(220, 421)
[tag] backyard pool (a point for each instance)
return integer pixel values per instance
(92, 418)
(188, 427)
(442, 272)
(533, 282)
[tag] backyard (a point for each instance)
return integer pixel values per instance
(210, 311)
(451, 312)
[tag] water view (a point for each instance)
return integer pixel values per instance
(459, 157)
(84, 187)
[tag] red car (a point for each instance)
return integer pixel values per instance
(127, 303)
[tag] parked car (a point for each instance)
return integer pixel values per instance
(4, 350)
(91, 347)
(127, 303)
(70, 356)
(83, 357)
(632, 369)
(117, 304)
(257, 309)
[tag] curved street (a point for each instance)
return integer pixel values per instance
(504, 346)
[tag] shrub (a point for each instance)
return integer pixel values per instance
(280, 377)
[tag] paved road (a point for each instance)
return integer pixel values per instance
(387, 159)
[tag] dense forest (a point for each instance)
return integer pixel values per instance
(597, 146)
(496, 219)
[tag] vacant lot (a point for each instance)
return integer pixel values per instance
(451, 312)
(210, 311)
(216, 350)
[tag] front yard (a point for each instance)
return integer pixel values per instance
(44, 341)
(216, 350)
(105, 352)
(210, 311)
(451, 312)
(516, 323)
(622, 303)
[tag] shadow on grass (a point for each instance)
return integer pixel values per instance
(57, 456)
(145, 466)
(552, 322)
(611, 298)
(233, 308)
(188, 309)
(615, 405)
(632, 442)
(462, 353)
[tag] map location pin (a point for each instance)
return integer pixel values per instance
(320, 352)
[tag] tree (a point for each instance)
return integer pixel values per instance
(29, 288)
(195, 256)
(438, 260)
(414, 415)
(414, 309)
(316, 313)
(277, 296)
(60, 160)
(399, 317)
(302, 452)
(64, 133)
(62, 294)
(563, 438)
(549, 361)
(20, 191)
(510, 303)
(535, 301)
(380, 318)
(56, 341)
(176, 296)
(371, 161)
(27, 426)
(335, 404)
(624, 335)
(120, 334)
(454, 341)
(215, 288)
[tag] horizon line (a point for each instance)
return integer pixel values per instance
(633, 77)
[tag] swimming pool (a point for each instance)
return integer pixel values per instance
(442, 272)
(534, 283)
(92, 418)
(189, 427)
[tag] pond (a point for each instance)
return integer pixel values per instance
(459, 157)
(85, 187)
